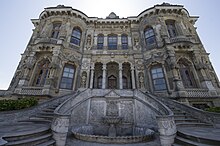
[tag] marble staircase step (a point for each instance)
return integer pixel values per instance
(46, 113)
(208, 138)
(186, 120)
(27, 133)
(31, 141)
(48, 143)
(187, 142)
(195, 124)
(48, 110)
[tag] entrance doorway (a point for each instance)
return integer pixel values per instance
(112, 82)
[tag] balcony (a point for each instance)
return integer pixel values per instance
(179, 39)
(46, 40)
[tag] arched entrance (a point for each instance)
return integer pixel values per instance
(112, 75)
(112, 82)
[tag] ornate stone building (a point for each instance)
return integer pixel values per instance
(113, 79)
(157, 51)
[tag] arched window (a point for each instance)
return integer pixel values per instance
(112, 42)
(100, 41)
(149, 36)
(186, 74)
(67, 77)
(55, 30)
(124, 41)
(171, 28)
(158, 79)
(42, 73)
(76, 36)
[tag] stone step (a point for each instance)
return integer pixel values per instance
(48, 110)
(208, 139)
(187, 142)
(36, 118)
(46, 113)
(31, 141)
(181, 116)
(175, 144)
(36, 121)
(44, 117)
(186, 120)
(48, 143)
(196, 124)
(39, 129)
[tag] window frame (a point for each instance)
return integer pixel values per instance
(171, 28)
(100, 42)
(66, 79)
(112, 42)
(150, 37)
(56, 30)
(124, 41)
(76, 36)
(157, 75)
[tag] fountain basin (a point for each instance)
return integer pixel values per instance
(139, 135)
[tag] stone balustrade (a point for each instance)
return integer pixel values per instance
(208, 117)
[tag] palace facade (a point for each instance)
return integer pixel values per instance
(158, 51)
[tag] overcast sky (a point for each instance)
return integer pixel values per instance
(16, 27)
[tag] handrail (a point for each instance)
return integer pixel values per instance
(208, 117)
(165, 108)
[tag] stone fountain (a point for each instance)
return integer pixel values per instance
(112, 122)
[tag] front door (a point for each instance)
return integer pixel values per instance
(112, 82)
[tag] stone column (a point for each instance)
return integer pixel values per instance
(59, 128)
(129, 41)
(105, 42)
(120, 77)
(103, 76)
(92, 76)
(119, 42)
(133, 77)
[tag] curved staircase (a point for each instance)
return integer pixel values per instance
(34, 130)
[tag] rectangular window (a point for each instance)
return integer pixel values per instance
(67, 77)
(171, 28)
(100, 42)
(112, 42)
(158, 79)
(124, 41)
(56, 30)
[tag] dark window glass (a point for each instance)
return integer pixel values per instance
(124, 41)
(99, 82)
(100, 42)
(187, 76)
(112, 42)
(42, 74)
(76, 36)
(171, 28)
(56, 30)
(149, 36)
(67, 77)
(158, 78)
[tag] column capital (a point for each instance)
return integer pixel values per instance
(132, 67)
(92, 66)
(104, 66)
(120, 66)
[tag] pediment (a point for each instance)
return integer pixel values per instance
(112, 94)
